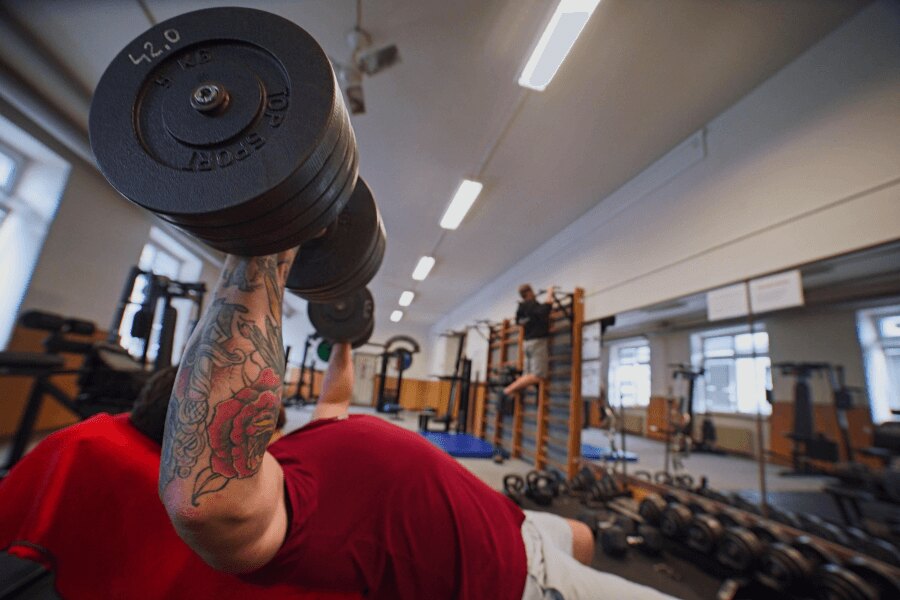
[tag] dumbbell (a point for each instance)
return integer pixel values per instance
(615, 540)
(348, 320)
(875, 575)
(731, 517)
(703, 533)
(539, 487)
(822, 528)
(789, 567)
(229, 124)
(514, 487)
(834, 582)
(785, 517)
(675, 520)
(739, 549)
(651, 508)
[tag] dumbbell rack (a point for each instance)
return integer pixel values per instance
(640, 488)
(545, 427)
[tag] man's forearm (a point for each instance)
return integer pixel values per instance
(337, 387)
(226, 397)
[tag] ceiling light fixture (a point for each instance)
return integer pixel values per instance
(557, 40)
(462, 201)
(423, 268)
(396, 315)
(406, 298)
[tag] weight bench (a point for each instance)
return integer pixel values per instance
(39, 366)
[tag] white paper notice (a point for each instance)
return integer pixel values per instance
(590, 341)
(727, 302)
(776, 291)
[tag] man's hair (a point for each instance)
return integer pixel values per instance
(524, 289)
(149, 412)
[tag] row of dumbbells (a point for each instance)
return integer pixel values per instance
(542, 487)
(849, 536)
(852, 537)
(767, 552)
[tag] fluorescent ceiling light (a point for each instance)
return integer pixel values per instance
(462, 201)
(557, 40)
(396, 315)
(423, 268)
(406, 298)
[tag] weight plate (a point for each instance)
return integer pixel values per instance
(290, 213)
(323, 350)
(833, 582)
(246, 152)
(293, 234)
(346, 320)
(346, 257)
(361, 340)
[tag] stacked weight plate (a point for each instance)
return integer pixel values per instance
(228, 123)
(346, 257)
(351, 319)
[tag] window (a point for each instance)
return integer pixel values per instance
(32, 179)
(879, 336)
(737, 371)
(163, 256)
(629, 373)
(9, 166)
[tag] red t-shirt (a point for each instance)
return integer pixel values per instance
(380, 510)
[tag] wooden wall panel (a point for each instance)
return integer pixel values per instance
(825, 421)
(656, 418)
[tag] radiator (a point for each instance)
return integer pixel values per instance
(634, 424)
(735, 439)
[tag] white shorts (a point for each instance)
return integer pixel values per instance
(553, 573)
(537, 357)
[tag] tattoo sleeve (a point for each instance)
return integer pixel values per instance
(225, 402)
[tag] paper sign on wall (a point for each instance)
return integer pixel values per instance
(782, 290)
(727, 302)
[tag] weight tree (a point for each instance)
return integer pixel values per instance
(544, 427)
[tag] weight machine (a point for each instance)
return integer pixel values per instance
(109, 379)
(460, 390)
(298, 396)
(401, 349)
(808, 444)
(157, 288)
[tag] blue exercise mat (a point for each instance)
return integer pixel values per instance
(460, 445)
(597, 453)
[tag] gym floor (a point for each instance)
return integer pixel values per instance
(727, 473)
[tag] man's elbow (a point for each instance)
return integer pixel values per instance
(202, 533)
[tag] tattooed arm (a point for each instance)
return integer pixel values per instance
(223, 492)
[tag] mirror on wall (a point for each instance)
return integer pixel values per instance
(703, 389)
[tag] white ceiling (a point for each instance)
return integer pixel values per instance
(644, 75)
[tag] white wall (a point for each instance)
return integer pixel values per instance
(804, 167)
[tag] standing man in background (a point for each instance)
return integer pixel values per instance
(534, 317)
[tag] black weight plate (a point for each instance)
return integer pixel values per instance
(291, 212)
(302, 229)
(346, 320)
(260, 164)
(371, 269)
(346, 257)
(361, 340)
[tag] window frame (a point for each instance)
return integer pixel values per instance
(19, 161)
(700, 359)
(614, 382)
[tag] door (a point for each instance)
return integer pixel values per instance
(365, 367)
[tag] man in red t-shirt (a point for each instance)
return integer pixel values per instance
(347, 503)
